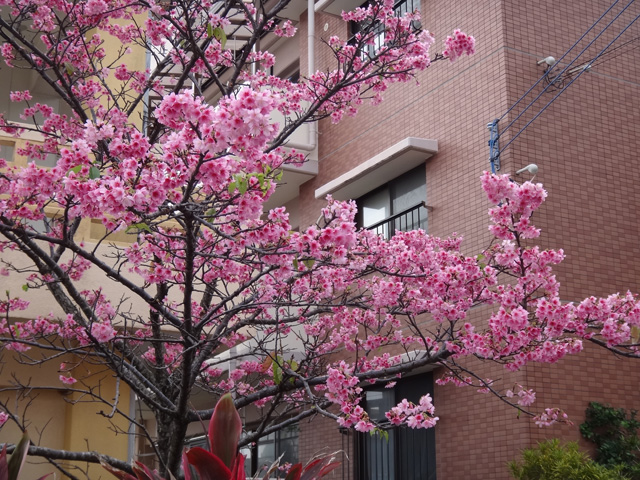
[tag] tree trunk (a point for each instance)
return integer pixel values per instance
(171, 438)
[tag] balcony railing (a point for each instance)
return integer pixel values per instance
(410, 219)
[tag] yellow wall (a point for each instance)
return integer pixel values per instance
(136, 60)
(87, 429)
(59, 419)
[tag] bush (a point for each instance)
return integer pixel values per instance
(615, 433)
(552, 461)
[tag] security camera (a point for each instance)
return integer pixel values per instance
(550, 61)
(532, 168)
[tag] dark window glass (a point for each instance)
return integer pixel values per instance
(265, 451)
(399, 205)
(408, 454)
(269, 448)
(400, 7)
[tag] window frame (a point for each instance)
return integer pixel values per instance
(251, 451)
(393, 188)
(416, 446)
(400, 7)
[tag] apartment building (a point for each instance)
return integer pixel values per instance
(416, 160)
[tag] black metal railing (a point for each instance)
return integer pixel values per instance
(410, 219)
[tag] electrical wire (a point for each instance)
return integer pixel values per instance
(558, 83)
(607, 56)
(562, 57)
(588, 65)
(559, 75)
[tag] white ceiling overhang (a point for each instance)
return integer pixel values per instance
(387, 165)
(336, 7)
(289, 185)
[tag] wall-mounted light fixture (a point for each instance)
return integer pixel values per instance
(532, 168)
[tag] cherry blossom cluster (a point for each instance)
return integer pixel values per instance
(551, 416)
(234, 298)
(524, 397)
(458, 44)
(414, 416)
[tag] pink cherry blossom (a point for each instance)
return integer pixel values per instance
(67, 380)
(458, 44)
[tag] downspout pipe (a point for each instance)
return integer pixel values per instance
(312, 139)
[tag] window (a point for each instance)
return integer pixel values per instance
(290, 72)
(269, 448)
(265, 451)
(49, 161)
(400, 8)
(407, 454)
(7, 149)
(399, 205)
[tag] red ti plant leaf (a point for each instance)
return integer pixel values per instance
(294, 472)
(145, 473)
(142, 472)
(4, 467)
(318, 468)
(185, 466)
(208, 465)
(238, 472)
(225, 429)
(116, 472)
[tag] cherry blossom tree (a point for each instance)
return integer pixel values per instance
(306, 316)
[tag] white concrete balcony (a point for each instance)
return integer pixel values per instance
(303, 140)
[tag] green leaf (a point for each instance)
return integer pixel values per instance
(231, 188)
(75, 169)
(242, 185)
(69, 68)
(139, 226)
(25, 287)
(309, 262)
(218, 32)
(94, 173)
(209, 30)
(18, 457)
(295, 263)
(277, 372)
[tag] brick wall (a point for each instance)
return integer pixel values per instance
(586, 145)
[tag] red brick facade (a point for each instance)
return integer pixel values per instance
(586, 147)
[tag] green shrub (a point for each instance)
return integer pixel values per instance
(615, 433)
(552, 461)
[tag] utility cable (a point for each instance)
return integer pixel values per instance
(562, 57)
(607, 56)
(588, 65)
(559, 75)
